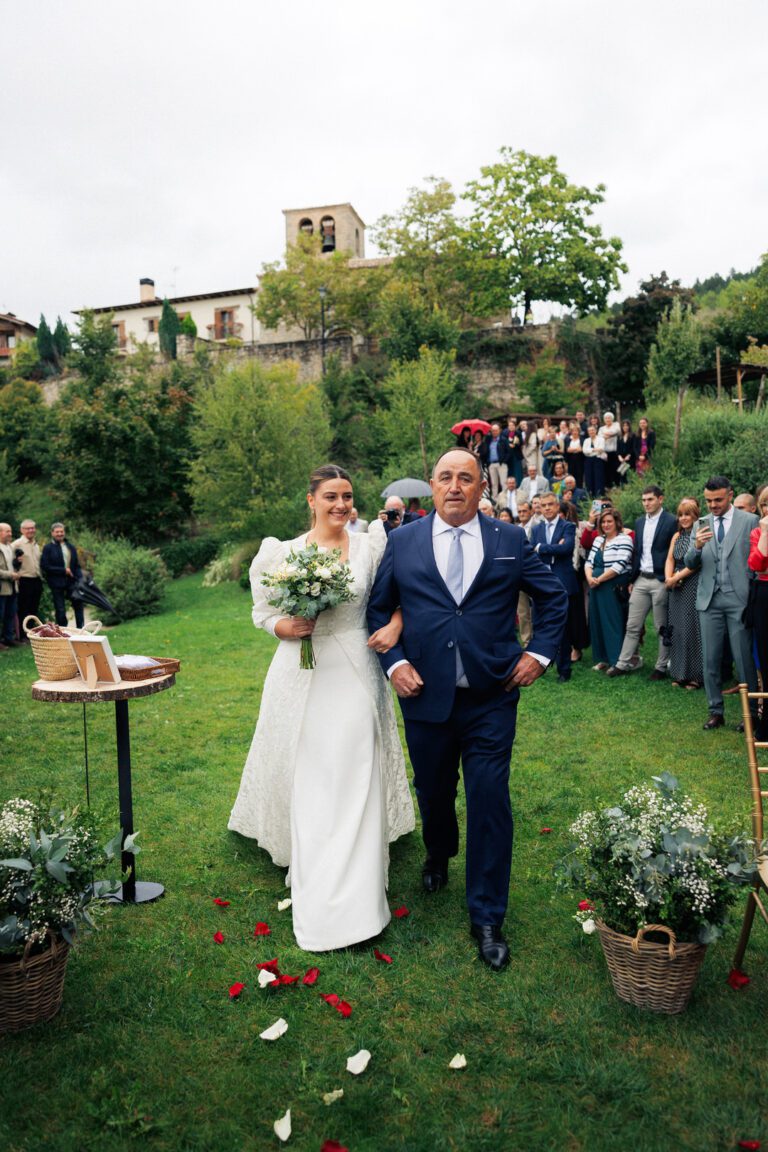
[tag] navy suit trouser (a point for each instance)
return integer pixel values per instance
(478, 733)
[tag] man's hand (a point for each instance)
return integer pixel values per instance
(702, 536)
(406, 681)
(527, 670)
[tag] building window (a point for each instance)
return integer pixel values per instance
(357, 241)
(119, 331)
(306, 226)
(328, 234)
(225, 323)
(153, 323)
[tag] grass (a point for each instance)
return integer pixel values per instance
(148, 1048)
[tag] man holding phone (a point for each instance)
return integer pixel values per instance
(720, 551)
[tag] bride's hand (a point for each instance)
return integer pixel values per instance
(384, 638)
(294, 628)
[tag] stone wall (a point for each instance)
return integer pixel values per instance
(308, 354)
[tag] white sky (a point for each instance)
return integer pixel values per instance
(164, 138)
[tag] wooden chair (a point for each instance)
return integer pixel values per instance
(759, 789)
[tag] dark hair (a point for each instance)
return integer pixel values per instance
(652, 490)
(716, 482)
(323, 473)
(616, 519)
(569, 510)
(626, 424)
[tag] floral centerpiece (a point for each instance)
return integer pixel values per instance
(308, 581)
(48, 861)
(656, 859)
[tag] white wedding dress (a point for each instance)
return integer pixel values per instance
(324, 788)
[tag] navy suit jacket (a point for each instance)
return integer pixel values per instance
(483, 625)
(559, 554)
(52, 564)
(662, 538)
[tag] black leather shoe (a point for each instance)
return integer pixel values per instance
(564, 678)
(715, 721)
(491, 945)
(656, 675)
(434, 874)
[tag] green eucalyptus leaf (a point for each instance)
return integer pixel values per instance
(58, 870)
(21, 864)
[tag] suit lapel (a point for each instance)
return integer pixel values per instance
(427, 553)
(733, 535)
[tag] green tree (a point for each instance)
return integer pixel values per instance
(26, 427)
(46, 349)
(627, 338)
(745, 313)
(10, 490)
(291, 294)
(259, 434)
(531, 238)
(62, 341)
(352, 396)
(422, 400)
(407, 322)
(26, 361)
(546, 385)
(123, 452)
(675, 354)
(168, 329)
(188, 326)
(94, 356)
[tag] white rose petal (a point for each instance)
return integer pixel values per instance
(331, 1097)
(266, 978)
(275, 1031)
(358, 1063)
(589, 926)
(282, 1127)
(283, 904)
(459, 1061)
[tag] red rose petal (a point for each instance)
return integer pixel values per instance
(330, 998)
(544, 830)
(344, 1008)
(235, 990)
(262, 929)
(401, 911)
(218, 937)
(284, 980)
(221, 903)
(270, 966)
(333, 1146)
(737, 979)
(749, 1144)
(311, 976)
(382, 956)
(585, 906)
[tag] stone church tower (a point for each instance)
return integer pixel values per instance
(338, 225)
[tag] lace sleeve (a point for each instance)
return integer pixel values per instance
(268, 557)
(378, 541)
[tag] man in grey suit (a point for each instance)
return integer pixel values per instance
(720, 551)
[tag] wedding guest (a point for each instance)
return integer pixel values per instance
(514, 451)
(625, 452)
(355, 524)
(572, 491)
(464, 438)
(554, 540)
(60, 565)
(494, 455)
(486, 508)
(758, 563)
(8, 584)
(643, 446)
(576, 628)
(550, 448)
(524, 618)
(531, 453)
(594, 461)
(30, 587)
(505, 515)
(507, 499)
(607, 572)
(559, 474)
(574, 453)
(746, 502)
(610, 433)
(534, 484)
(685, 663)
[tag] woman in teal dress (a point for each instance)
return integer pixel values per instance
(607, 572)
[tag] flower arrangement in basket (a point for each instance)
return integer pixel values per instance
(49, 861)
(308, 581)
(654, 866)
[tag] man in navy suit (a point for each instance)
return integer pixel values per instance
(554, 540)
(458, 670)
(61, 568)
(653, 535)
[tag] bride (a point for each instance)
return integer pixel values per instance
(324, 788)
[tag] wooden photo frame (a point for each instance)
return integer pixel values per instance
(95, 660)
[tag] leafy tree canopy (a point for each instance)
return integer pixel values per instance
(409, 322)
(675, 353)
(26, 427)
(94, 353)
(168, 329)
(745, 313)
(532, 239)
(423, 398)
(547, 386)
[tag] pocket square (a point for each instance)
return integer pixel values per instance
(505, 557)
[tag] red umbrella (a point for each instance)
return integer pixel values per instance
(473, 425)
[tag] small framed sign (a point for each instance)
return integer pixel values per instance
(95, 660)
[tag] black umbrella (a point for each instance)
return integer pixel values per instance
(86, 590)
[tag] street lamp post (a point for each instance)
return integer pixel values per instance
(323, 293)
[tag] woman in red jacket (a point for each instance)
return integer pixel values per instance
(758, 562)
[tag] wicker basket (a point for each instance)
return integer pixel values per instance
(53, 655)
(659, 977)
(32, 987)
(165, 665)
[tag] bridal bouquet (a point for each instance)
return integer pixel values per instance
(308, 581)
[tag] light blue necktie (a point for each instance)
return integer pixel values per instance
(454, 578)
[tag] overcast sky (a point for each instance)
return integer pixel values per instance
(163, 138)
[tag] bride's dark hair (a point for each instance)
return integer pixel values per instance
(323, 473)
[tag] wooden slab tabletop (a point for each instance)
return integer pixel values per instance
(76, 691)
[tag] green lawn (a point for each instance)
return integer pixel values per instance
(149, 1048)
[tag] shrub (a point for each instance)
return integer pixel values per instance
(189, 555)
(133, 579)
(231, 562)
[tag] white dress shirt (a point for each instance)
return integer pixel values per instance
(649, 532)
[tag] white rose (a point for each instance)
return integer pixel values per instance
(314, 590)
(589, 926)
(323, 573)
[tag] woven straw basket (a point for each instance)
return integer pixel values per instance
(659, 977)
(53, 655)
(32, 987)
(165, 665)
